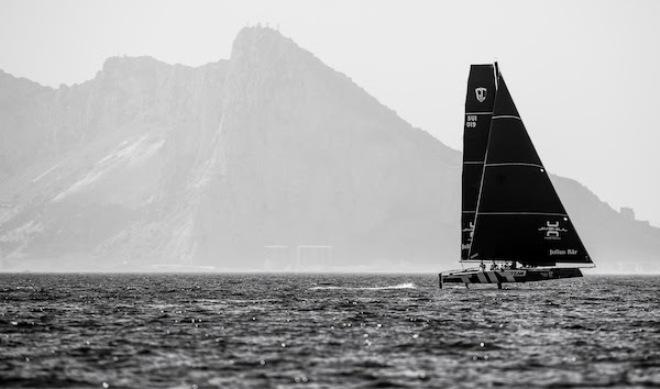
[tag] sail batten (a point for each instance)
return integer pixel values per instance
(507, 117)
(519, 215)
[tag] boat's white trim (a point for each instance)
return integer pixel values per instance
(513, 164)
(506, 117)
(558, 265)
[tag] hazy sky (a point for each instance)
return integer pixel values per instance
(585, 74)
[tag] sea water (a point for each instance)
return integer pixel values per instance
(323, 330)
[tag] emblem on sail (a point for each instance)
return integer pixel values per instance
(481, 94)
(552, 231)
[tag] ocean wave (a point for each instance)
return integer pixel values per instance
(405, 285)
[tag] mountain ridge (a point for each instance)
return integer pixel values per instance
(217, 165)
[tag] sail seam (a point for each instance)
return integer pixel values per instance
(513, 164)
(506, 117)
(473, 162)
(479, 113)
(525, 213)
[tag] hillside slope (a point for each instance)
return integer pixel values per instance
(236, 164)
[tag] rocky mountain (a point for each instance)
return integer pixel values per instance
(270, 160)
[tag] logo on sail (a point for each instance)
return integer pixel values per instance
(552, 231)
(481, 94)
(470, 231)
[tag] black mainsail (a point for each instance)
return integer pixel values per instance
(478, 111)
(519, 215)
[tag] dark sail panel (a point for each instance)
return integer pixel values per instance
(478, 111)
(508, 188)
(519, 215)
(512, 145)
(532, 239)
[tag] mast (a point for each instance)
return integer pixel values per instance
(519, 214)
(479, 102)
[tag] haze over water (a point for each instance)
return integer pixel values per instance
(166, 330)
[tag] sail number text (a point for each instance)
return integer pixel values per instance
(471, 121)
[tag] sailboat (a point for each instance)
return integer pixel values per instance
(513, 223)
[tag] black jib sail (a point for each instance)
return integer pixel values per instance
(478, 111)
(519, 215)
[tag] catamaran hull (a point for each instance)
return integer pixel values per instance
(507, 275)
